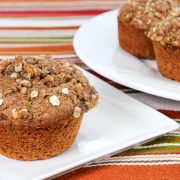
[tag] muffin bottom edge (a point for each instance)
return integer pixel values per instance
(38, 144)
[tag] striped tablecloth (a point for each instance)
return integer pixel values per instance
(32, 27)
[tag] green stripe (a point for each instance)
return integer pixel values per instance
(164, 139)
(37, 40)
(159, 150)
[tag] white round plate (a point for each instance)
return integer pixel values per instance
(96, 43)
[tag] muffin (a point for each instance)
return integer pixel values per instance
(42, 103)
(134, 21)
(166, 41)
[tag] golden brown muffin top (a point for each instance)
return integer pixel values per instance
(145, 13)
(167, 32)
(37, 91)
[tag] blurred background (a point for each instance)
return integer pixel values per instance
(32, 27)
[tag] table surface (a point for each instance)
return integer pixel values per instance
(32, 27)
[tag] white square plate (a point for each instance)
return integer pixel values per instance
(118, 122)
(101, 52)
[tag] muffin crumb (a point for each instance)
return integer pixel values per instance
(23, 90)
(34, 94)
(77, 112)
(94, 96)
(43, 93)
(67, 64)
(65, 91)
(19, 114)
(167, 32)
(13, 75)
(1, 94)
(1, 102)
(24, 82)
(18, 67)
(14, 113)
(54, 100)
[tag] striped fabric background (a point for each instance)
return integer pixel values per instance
(32, 27)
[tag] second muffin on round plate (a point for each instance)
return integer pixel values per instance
(134, 21)
(42, 103)
(166, 41)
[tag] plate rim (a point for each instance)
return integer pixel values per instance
(123, 81)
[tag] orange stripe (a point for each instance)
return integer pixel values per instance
(65, 49)
(25, 14)
(165, 172)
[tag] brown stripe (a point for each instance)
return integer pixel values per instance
(171, 114)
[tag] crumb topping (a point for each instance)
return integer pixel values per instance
(167, 32)
(65, 91)
(176, 11)
(1, 102)
(54, 100)
(33, 94)
(1, 94)
(145, 13)
(35, 90)
(77, 112)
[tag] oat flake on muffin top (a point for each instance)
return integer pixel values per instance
(167, 32)
(37, 90)
(144, 13)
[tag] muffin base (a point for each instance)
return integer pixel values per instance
(41, 143)
(168, 60)
(134, 41)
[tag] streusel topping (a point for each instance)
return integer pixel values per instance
(36, 90)
(145, 13)
(167, 32)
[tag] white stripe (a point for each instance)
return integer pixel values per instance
(139, 160)
(148, 155)
(142, 158)
(173, 135)
(131, 164)
(42, 22)
(35, 33)
(157, 145)
(166, 157)
(80, 3)
(60, 5)
(57, 7)
(157, 102)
